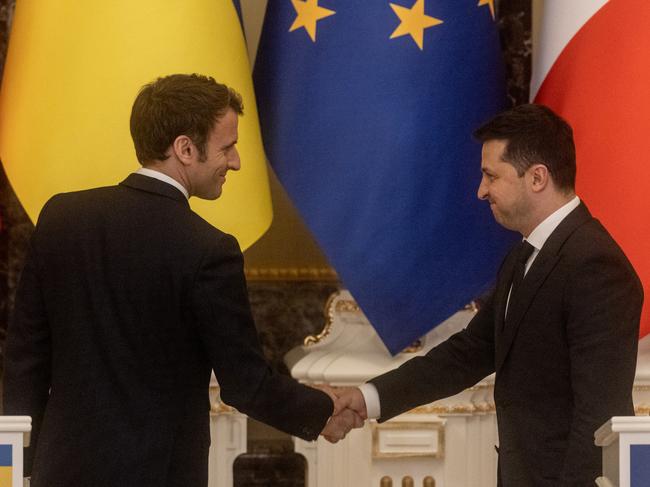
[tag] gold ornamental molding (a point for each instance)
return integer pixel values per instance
(642, 410)
(347, 306)
(342, 306)
(485, 407)
(414, 347)
(290, 274)
(314, 339)
(217, 406)
(452, 409)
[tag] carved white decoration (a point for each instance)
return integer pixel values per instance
(228, 432)
(451, 440)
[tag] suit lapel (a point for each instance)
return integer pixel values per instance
(504, 279)
(535, 277)
(544, 263)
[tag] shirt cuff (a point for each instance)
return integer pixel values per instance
(371, 396)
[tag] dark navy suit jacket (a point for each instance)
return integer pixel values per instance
(127, 301)
(565, 357)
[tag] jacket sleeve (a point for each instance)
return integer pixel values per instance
(454, 365)
(27, 361)
(225, 324)
(603, 307)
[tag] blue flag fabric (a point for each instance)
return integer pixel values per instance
(367, 110)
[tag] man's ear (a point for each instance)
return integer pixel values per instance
(539, 176)
(184, 149)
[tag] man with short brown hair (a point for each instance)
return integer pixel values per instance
(127, 302)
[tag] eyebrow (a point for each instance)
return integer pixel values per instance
(227, 146)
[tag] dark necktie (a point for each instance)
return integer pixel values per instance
(523, 253)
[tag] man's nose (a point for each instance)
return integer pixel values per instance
(482, 192)
(234, 163)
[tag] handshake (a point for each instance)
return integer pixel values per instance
(349, 411)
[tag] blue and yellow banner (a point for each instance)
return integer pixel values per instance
(6, 465)
(367, 111)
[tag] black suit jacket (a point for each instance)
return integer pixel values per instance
(565, 358)
(127, 301)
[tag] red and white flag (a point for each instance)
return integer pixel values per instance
(592, 66)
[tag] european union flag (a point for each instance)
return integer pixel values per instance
(367, 111)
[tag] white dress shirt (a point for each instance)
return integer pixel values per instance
(152, 173)
(537, 238)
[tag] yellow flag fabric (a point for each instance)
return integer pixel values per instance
(73, 70)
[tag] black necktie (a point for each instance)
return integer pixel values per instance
(523, 253)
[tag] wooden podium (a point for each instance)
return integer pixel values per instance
(14, 435)
(626, 451)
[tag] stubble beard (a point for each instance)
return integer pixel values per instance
(515, 219)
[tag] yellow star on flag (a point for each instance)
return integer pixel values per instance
(413, 22)
(487, 2)
(308, 13)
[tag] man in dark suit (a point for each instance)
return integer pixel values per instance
(127, 302)
(560, 328)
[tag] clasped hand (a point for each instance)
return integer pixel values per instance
(349, 412)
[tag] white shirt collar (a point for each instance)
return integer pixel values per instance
(152, 173)
(538, 237)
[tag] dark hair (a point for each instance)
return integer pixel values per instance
(179, 104)
(534, 134)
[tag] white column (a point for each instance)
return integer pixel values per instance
(228, 433)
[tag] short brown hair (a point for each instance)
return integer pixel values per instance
(535, 134)
(179, 104)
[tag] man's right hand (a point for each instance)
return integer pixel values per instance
(344, 417)
(350, 398)
(340, 424)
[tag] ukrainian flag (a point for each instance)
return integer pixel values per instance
(6, 468)
(73, 70)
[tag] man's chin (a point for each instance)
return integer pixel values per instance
(507, 224)
(209, 197)
(500, 220)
